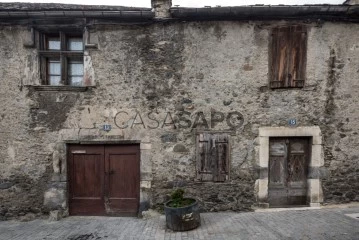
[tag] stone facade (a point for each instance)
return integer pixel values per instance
(164, 68)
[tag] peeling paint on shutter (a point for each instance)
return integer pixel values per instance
(279, 51)
(212, 157)
(298, 56)
(288, 56)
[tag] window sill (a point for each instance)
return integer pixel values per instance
(47, 88)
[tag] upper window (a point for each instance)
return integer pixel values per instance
(288, 56)
(212, 157)
(61, 59)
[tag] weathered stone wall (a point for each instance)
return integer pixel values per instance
(174, 67)
(24, 158)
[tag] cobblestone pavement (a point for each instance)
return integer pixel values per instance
(305, 224)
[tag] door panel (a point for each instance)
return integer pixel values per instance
(122, 178)
(103, 179)
(87, 169)
(277, 169)
(288, 168)
(86, 180)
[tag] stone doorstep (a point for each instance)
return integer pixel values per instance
(285, 209)
(353, 215)
(314, 207)
(342, 205)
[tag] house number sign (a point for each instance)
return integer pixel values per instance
(106, 127)
(292, 122)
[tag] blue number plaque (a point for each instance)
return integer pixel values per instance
(106, 127)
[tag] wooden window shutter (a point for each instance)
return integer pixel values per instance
(298, 52)
(212, 157)
(288, 57)
(222, 151)
(279, 52)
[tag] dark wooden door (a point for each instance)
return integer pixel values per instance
(288, 169)
(86, 170)
(122, 179)
(103, 179)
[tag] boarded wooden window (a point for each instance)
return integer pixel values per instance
(212, 157)
(288, 56)
(61, 59)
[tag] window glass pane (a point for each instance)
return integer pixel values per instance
(75, 81)
(53, 43)
(74, 44)
(75, 72)
(54, 67)
(76, 68)
(54, 80)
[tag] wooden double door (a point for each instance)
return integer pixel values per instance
(104, 179)
(288, 171)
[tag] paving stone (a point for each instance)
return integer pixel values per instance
(323, 224)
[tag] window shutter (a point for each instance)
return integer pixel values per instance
(204, 166)
(288, 56)
(298, 53)
(222, 151)
(279, 52)
(212, 157)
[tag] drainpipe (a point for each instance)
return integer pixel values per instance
(161, 8)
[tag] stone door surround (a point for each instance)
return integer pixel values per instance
(314, 193)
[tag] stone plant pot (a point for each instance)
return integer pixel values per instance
(182, 218)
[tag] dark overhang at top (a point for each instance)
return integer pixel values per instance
(22, 11)
(270, 12)
(42, 12)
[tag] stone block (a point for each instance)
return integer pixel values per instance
(146, 176)
(89, 134)
(115, 132)
(169, 137)
(315, 192)
(289, 132)
(55, 215)
(263, 152)
(146, 164)
(28, 217)
(261, 188)
(317, 173)
(317, 159)
(317, 140)
(56, 161)
(144, 206)
(145, 184)
(180, 148)
(145, 146)
(263, 173)
(150, 213)
(316, 205)
(55, 198)
(68, 135)
(6, 185)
